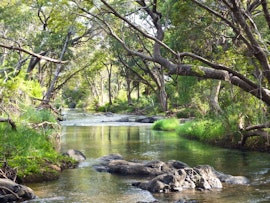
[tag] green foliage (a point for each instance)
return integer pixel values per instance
(181, 93)
(145, 105)
(207, 130)
(187, 113)
(170, 124)
(118, 106)
(74, 95)
(34, 115)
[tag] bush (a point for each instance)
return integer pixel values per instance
(166, 124)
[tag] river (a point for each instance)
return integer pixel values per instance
(134, 141)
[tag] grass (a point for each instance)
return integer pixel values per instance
(32, 115)
(30, 150)
(204, 130)
(170, 124)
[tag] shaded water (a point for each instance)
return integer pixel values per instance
(138, 142)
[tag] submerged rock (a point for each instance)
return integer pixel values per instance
(103, 162)
(171, 176)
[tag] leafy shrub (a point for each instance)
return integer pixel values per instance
(166, 124)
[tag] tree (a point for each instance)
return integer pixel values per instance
(244, 22)
(38, 41)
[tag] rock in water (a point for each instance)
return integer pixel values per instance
(11, 191)
(75, 154)
(168, 176)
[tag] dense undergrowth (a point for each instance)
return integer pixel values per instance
(32, 147)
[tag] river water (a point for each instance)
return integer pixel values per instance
(136, 141)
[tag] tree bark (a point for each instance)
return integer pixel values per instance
(109, 71)
(214, 104)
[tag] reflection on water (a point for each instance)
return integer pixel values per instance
(140, 143)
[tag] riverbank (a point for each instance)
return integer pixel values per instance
(32, 148)
(214, 132)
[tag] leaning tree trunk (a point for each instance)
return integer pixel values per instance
(59, 68)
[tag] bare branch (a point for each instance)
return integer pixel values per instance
(33, 54)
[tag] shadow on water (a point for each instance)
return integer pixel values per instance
(84, 184)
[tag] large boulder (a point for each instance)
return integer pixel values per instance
(11, 191)
(168, 176)
(135, 168)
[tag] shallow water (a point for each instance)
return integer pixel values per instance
(138, 142)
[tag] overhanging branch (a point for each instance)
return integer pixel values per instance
(33, 54)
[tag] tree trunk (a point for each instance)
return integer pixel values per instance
(109, 71)
(101, 89)
(138, 92)
(129, 91)
(214, 104)
(163, 99)
(162, 94)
